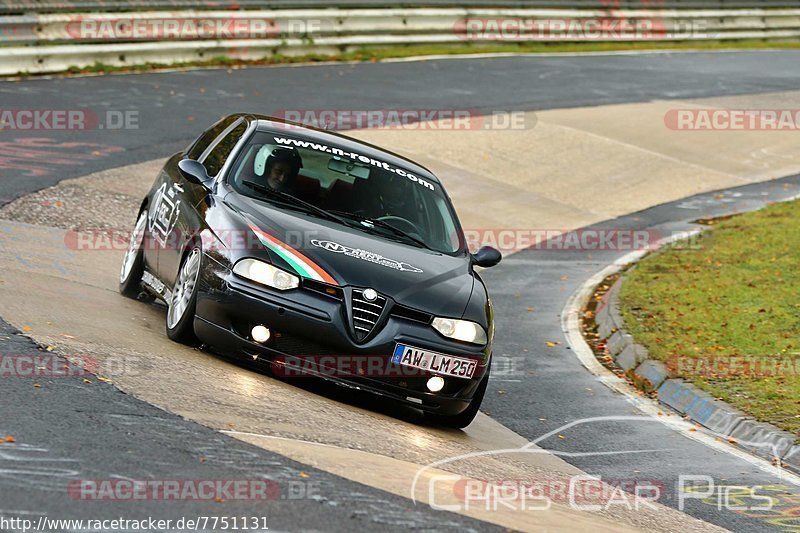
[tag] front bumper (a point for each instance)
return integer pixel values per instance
(305, 323)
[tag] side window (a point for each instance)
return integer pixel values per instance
(205, 140)
(215, 160)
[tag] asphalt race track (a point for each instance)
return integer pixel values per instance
(123, 437)
(549, 387)
(534, 404)
(172, 106)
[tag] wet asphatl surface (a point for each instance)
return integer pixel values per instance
(104, 434)
(548, 389)
(145, 116)
(77, 443)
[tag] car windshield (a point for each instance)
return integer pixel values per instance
(369, 194)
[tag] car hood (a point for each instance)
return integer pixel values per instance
(327, 251)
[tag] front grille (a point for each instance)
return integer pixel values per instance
(365, 313)
(411, 314)
(299, 346)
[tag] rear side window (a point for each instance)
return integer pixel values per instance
(215, 160)
(204, 141)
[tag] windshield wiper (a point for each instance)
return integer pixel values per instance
(334, 215)
(382, 224)
(308, 207)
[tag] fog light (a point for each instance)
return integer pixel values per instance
(260, 334)
(435, 384)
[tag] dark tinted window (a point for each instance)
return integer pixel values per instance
(336, 179)
(208, 137)
(216, 159)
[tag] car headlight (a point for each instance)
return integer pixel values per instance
(266, 274)
(462, 330)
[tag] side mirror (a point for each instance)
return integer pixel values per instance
(195, 172)
(487, 257)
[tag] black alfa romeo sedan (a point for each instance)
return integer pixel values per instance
(321, 255)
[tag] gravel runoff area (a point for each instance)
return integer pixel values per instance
(105, 200)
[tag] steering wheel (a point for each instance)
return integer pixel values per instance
(402, 224)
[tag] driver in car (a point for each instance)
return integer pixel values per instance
(283, 165)
(396, 198)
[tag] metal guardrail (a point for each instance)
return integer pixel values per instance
(65, 6)
(50, 29)
(54, 42)
(19, 29)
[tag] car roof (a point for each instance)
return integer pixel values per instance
(267, 123)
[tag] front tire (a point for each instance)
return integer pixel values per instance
(183, 303)
(465, 418)
(130, 276)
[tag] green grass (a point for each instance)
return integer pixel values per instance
(368, 54)
(726, 314)
(554, 47)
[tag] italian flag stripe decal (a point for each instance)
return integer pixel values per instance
(299, 262)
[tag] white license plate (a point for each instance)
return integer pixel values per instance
(436, 363)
